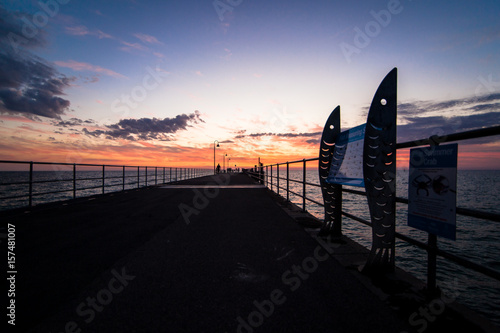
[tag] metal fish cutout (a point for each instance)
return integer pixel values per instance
(332, 193)
(379, 172)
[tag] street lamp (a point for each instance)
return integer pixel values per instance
(224, 162)
(214, 153)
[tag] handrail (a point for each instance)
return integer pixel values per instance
(267, 178)
(141, 175)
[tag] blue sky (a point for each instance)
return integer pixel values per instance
(252, 74)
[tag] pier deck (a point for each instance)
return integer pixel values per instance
(215, 254)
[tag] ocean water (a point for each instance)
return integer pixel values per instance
(87, 183)
(477, 240)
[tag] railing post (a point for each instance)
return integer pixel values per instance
(267, 175)
(138, 176)
(123, 179)
(74, 180)
(163, 175)
(170, 178)
(146, 176)
(287, 181)
(156, 175)
(271, 177)
(431, 250)
(30, 200)
(278, 179)
(431, 264)
(103, 178)
(304, 186)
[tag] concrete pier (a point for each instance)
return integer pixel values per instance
(213, 254)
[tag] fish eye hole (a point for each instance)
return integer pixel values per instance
(332, 127)
(383, 101)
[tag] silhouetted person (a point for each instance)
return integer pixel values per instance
(218, 168)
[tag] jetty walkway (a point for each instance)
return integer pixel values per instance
(212, 254)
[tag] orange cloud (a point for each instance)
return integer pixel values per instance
(83, 66)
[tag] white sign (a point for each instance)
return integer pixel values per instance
(347, 162)
(432, 190)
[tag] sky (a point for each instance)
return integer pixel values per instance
(159, 83)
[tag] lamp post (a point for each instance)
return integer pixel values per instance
(214, 154)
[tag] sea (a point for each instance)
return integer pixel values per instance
(15, 183)
(477, 239)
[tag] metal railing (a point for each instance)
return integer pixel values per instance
(273, 182)
(108, 177)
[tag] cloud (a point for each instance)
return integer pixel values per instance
(421, 119)
(281, 135)
(228, 54)
(74, 122)
(28, 84)
(147, 39)
(133, 46)
(147, 128)
(159, 55)
(82, 66)
(14, 36)
(81, 30)
(489, 36)
(418, 128)
(77, 30)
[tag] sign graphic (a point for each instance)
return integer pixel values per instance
(347, 162)
(432, 190)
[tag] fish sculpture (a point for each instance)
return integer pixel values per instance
(379, 173)
(332, 193)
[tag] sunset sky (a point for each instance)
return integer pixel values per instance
(157, 82)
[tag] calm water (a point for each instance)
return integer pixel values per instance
(477, 240)
(87, 183)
